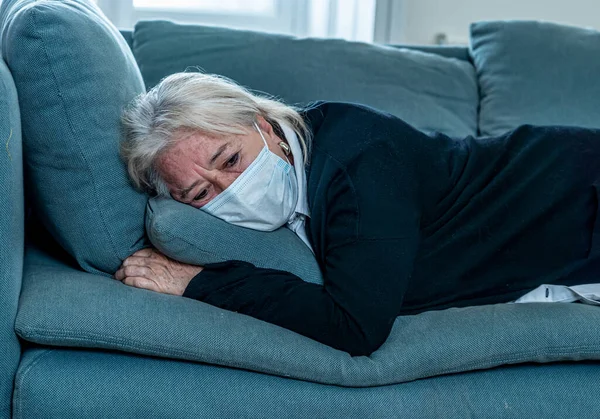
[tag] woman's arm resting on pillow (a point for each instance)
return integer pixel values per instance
(354, 311)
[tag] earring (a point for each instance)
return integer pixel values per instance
(285, 148)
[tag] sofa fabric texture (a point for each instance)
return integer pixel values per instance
(431, 92)
(539, 73)
(11, 234)
(71, 100)
(155, 388)
(63, 306)
(184, 233)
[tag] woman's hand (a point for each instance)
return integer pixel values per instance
(151, 270)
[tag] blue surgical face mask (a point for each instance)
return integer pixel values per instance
(263, 197)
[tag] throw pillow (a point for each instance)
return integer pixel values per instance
(74, 72)
(539, 73)
(192, 236)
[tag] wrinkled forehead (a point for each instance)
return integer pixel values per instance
(189, 150)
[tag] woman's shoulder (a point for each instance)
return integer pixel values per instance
(351, 117)
(346, 130)
(320, 109)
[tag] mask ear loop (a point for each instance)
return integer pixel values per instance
(261, 134)
(286, 149)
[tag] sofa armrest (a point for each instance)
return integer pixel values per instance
(11, 234)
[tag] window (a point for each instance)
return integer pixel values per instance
(210, 6)
(348, 19)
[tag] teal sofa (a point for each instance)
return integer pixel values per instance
(538, 361)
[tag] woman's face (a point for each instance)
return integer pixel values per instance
(198, 167)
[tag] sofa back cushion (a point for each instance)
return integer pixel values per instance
(74, 73)
(539, 73)
(432, 92)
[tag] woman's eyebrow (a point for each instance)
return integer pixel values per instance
(219, 152)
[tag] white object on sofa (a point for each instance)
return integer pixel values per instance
(546, 293)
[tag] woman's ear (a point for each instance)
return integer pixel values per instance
(265, 126)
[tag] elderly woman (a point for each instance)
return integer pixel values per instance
(400, 221)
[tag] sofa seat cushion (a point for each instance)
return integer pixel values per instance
(64, 306)
(533, 72)
(431, 92)
(159, 388)
(74, 72)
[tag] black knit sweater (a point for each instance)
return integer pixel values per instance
(403, 222)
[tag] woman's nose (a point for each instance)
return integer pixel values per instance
(221, 181)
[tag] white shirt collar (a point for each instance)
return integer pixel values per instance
(294, 143)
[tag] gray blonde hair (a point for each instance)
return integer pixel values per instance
(184, 102)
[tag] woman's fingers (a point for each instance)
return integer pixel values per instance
(137, 260)
(140, 282)
(145, 252)
(150, 269)
(133, 270)
(136, 271)
(119, 275)
(149, 254)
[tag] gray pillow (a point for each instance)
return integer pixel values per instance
(192, 236)
(431, 92)
(74, 72)
(537, 73)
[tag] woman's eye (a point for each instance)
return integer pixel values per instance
(201, 195)
(233, 160)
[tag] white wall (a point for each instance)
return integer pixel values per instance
(417, 21)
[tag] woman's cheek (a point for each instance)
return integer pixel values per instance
(199, 204)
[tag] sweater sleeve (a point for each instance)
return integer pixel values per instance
(365, 279)
(354, 311)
